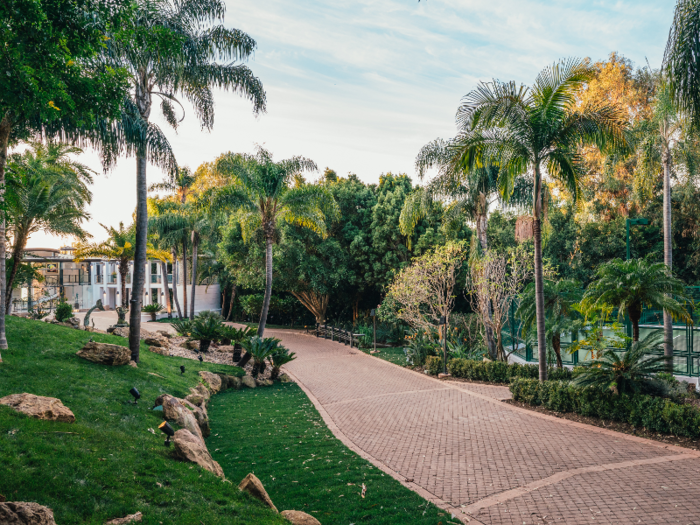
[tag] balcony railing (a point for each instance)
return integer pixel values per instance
(99, 278)
(156, 279)
(111, 279)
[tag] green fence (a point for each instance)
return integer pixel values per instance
(686, 338)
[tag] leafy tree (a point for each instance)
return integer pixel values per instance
(172, 49)
(527, 129)
(47, 191)
(263, 199)
(631, 285)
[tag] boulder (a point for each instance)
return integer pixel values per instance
(212, 381)
(200, 414)
(175, 410)
(297, 517)
(48, 408)
(284, 378)
(25, 513)
(264, 382)
(165, 334)
(157, 341)
(131, 518)
(228, 381)
(121, 331)
(105, 354)
(253, 486)
(195, 399)
(201, 390)
(248, 381)
(159, 350)
(74, 322)
(190, 448)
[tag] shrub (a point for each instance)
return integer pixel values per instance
(433, 364)
(653, 413)
(260, 349)
(280, 356)
(183, 327)
(496, 371)
(64, 311)
(205, 330)
(152, 308)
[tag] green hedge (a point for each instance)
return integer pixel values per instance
(433, 364)
(498, 372)
(653, 413)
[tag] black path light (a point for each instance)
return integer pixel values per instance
(182, 369)
(136, 395)
(443, 323)
(200, 358)
(168, 431)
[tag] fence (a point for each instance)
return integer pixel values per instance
(686, 338)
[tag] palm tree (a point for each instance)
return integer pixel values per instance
(120, 247)
(682, 61)
(531, 130)
(47, 191)
(172, 49)
(262, 197)
(631, 285)
(559, 300)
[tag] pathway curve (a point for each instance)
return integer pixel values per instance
(487, 461)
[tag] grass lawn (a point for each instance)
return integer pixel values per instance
(107, 464)
(393, 355)
(277, 434)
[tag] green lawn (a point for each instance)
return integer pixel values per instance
(277, 434)
(107, 464)
(393, 355)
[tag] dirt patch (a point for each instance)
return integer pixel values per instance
(617, 426)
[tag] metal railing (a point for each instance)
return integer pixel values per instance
(336, 334)
(156, 279)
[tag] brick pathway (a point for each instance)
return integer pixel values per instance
(488, 462)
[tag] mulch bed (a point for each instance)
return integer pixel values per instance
(617, 426)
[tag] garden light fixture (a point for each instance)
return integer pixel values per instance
(168, 431)
(136, 395)
(200, 358)
(182, 369)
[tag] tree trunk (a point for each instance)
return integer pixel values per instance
(123, 273)
(5, 128)
(481, 224)
(268, 285)
(635, 314)
(195, 246)
(166, 288)
(233, 299)
(317, 304)
(539, 281)
(140, 259)
(556, 345)
(175, 279)
(668, 254)
(184, 277)
(20, 242)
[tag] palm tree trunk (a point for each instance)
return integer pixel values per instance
(668, 254)
(184, 277)
(539, 280)
(233, 299)
(5, 128)
(556, 345)
(481, 224)
(123, 272)
(166, 289)
(175, 279)
(268, 285)
(140, 258)
(195, 245)
(17, 249)
(634, 312)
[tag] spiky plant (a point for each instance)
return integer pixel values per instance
(259, 349)
(205, 330)
(280, 357)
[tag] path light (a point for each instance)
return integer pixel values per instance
(443, 322)
(136, 395)
(182, 369)
(168, 431)
(200, 358)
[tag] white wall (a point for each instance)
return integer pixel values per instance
(205, 298)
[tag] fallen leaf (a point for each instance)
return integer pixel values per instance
(364, 490)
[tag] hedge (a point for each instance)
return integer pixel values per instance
(433, 364)
(653, 413)
(498, 371)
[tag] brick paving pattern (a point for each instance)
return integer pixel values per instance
(461, 444)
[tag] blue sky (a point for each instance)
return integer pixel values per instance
(360, 86)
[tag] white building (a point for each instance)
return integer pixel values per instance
(83, 283)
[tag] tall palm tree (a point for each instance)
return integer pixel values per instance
(631, 285)
(559, 300)
(682, 60)
(536, 130)
(120, 247)
(172, 49)
(263, 198)
(47, 191)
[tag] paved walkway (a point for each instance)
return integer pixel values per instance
(485, 461)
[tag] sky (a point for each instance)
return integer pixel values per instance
(360, 86)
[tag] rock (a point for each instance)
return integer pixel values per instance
(229, 382)
(253, 486)
(175, 410)
(212, 381)
(159, 350)
(191, 345)
(190, 448)
(248, 381)
(201, 390)
(195, 399)
(263, 382)
(48, 408)
(133, 364)
(200, 414)
(284, 378)
(121, 331)
(443, 376)
(165, 334)
(297, 517)
(157, 341)
(131, 518)
(25, 513)
(223, 348)
(74, 322)
(105, 354)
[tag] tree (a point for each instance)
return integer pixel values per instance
(55, 81)
(120, 247)
(532, 130)
(47, 191)
(631, 285)
(559, 300)
(172, 49)
(262, 197)
(681, 59)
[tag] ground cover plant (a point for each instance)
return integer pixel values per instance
(107, 464)
(277, 434)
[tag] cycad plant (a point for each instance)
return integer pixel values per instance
(624, 372)
(280, 357)
(183, 327)
(205, 329)
(259, 349)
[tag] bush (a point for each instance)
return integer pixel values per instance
(205, 330)
(152, 308)
(183, 327)
(64, 311)
(653, 413)
(497, 371)
(433, 364)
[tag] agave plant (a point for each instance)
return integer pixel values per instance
(629, 372)
(205, 330)
(281, 356)
(183, 327)
(259, 350)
